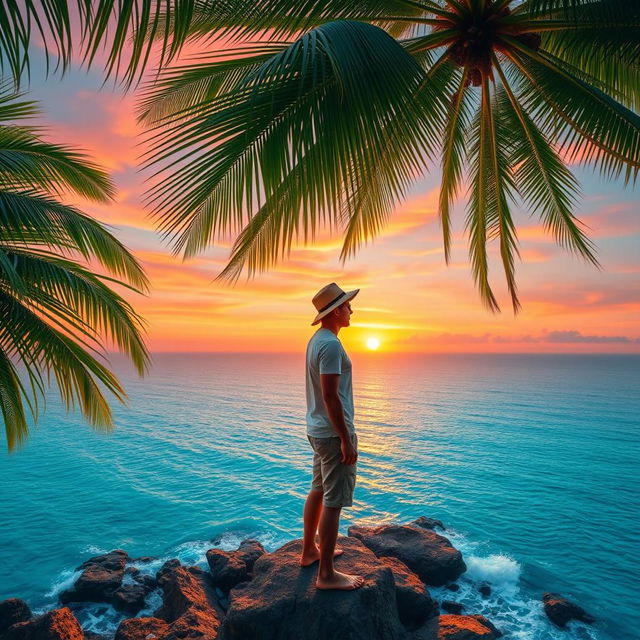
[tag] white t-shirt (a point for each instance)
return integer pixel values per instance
(325, 354)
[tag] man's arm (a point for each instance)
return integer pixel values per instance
(329, 384)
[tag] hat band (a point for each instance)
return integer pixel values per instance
(326, 306)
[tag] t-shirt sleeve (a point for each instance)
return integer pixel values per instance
(330, 357)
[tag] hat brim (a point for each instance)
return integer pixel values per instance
(348, 295)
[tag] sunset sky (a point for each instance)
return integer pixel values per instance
(410, 299)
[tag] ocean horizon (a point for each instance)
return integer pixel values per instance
(530, 460)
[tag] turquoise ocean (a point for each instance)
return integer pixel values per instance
(531, 461)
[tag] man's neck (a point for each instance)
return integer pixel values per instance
(334, 328)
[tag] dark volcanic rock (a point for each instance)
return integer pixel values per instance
(415, 605)
(485, 589)
(101, 576)
(58, 624)
(142, 629)
(453, 586)
(130, 597)
(250, 550)
(11, 611)
(282, 602)
(560, 610)
(141, 578)
(229, 568)
(452, 627)
(451, 607)
(427, 523)
(189, 602)
(91, 635)
(425, 552)
(143, 559)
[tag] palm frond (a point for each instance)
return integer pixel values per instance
(11, 404)
(79, 300)
(32, 217)
(243, 20)
(500, 189)
(235, 155)
(600, 130)
(381, 180)
(126, 31)
(178, 89)
(546, 184)
(27, 334)
(27, 162)
(479, 160)
(453, 151)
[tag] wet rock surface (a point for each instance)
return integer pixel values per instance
(229, 568)
(427, 523)
(58, 624)
(561, 611)
(415, 604)
(456, 627)
(282, 603)
(430, 555)
(11, 611)
(451, 607)
(101, 576)
(130, 598)
(142, 629)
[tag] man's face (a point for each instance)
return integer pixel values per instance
(344, 314)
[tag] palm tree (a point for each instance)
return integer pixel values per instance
(120, 33)
(326, 112)
(55, 312)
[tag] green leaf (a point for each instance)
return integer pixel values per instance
(453, 152)
(546, 184)
(234, 155)
(577, 115)
(480, 161)
(27, 217)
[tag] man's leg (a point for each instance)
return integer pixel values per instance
(312, 510)
(328, 577)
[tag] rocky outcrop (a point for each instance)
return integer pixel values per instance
(427, 523)
(229, 568)
(141, 578)
(282, 603)
(130, 598)
(451, 606)
(485, 589)
(11, 611)
(142, 629)
(101, 576)
(249, 594)
(189, 607)
(454, 627)
(58, 624)
(430, 555)
(560, 610)
(415, 604)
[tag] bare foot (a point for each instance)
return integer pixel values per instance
(341, 581)
(309, 558)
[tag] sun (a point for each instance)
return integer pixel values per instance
(373, 343)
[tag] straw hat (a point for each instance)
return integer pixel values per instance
(330, 297)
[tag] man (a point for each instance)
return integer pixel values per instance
(332, 436)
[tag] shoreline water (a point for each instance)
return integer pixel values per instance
(488, 586)
(528, 459)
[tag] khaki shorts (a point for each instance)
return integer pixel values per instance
(336, 480)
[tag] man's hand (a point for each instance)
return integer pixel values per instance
(349, 453)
